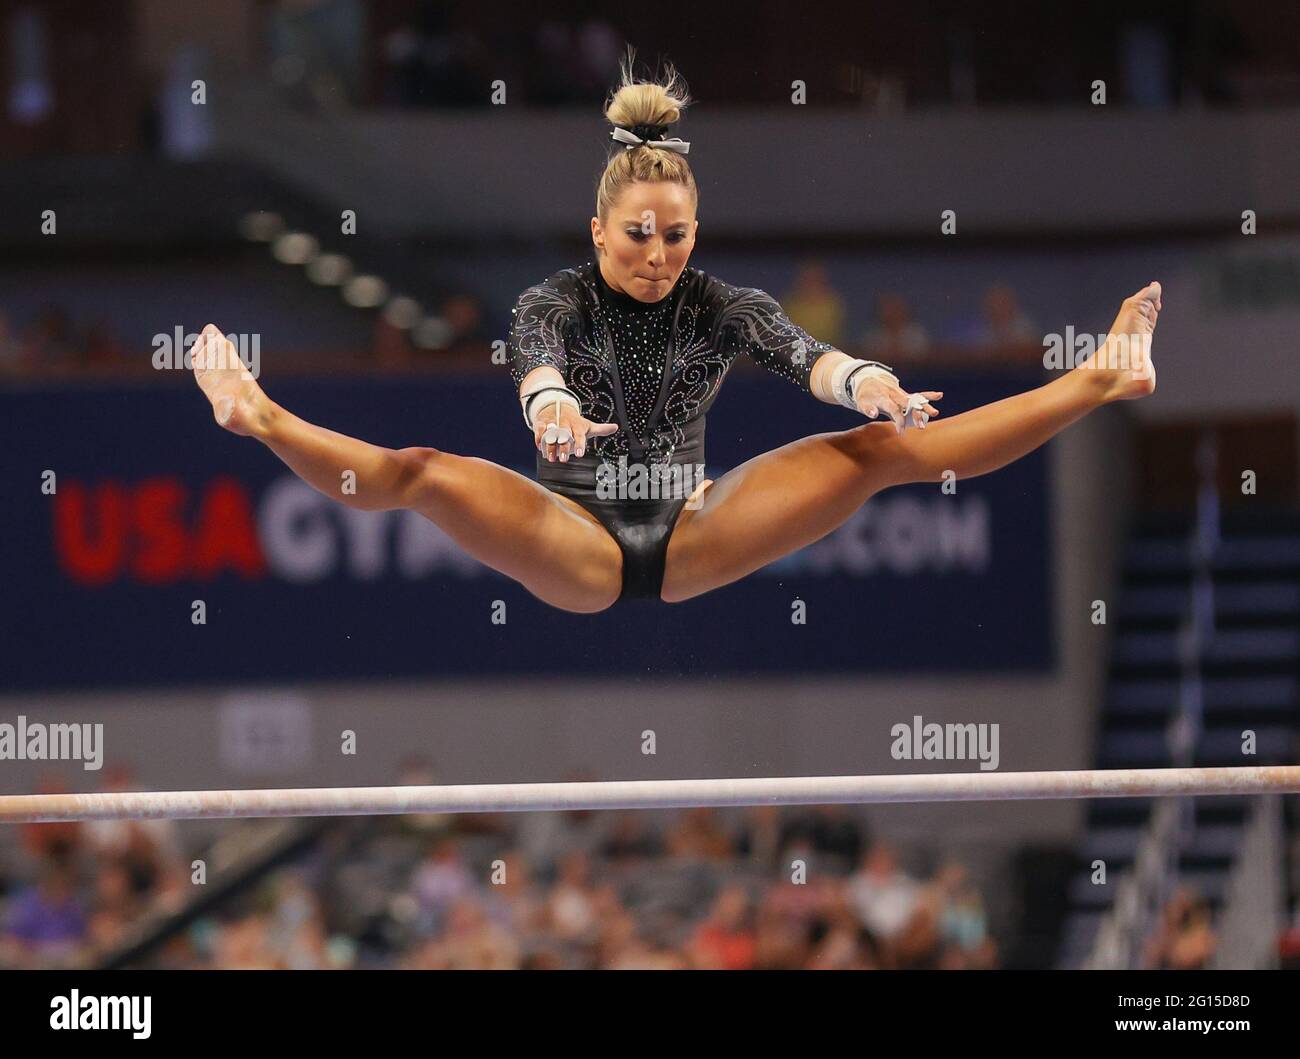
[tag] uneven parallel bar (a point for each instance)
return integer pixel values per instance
(651, 794)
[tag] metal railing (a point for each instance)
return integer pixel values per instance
(1252, 917)
(1142, 892)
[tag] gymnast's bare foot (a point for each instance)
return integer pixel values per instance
(238, 403)
(1122, 365)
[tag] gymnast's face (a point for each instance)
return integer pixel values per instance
(647, 239)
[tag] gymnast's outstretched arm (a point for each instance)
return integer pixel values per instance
(876, 393)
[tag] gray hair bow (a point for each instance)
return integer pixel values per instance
(630, 138)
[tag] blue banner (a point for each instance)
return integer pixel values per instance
(127, 508)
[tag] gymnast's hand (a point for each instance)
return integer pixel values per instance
(879, 393)
(560, 431)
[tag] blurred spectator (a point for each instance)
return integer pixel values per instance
(430, 64)
(440, 881)
(1004, 320)
(117, 905)
(464, 315)
(799, 902)
(896, 338)
(645, 955)
(725, 940)
(518, 898)
(46, 922)
(573, 63)
(101, 345)
(780, 940)
(618, 936)
(147, 843)
(883, 895)
(471, 941)
(698, 835)
(1288, 946)
(813, 304)
(571, 907)
(48, 842)
(547, 837)
(837, 939)
(759, 838)
(295, 929)
(183, 131)
(416, 770)
(242, 945)
(598, 48)
(49, 341)
(963, 924)
(1184, 940)
(1003, 330)
(831, 833)
(317, 50)
(630, 839)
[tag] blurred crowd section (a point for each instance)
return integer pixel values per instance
(55, 340)
(117, 79)
(105, 76)
(889, 55)
(763, 888)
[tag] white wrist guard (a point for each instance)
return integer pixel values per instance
(559, 394)
(847, 394)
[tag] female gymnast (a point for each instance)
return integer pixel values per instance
(616, 365)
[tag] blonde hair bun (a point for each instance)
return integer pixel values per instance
(655, 104)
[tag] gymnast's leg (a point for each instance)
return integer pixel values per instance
(546, 542)
(786, 499)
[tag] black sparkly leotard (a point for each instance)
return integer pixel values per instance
(612, 351)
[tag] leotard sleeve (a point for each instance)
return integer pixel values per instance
(751, 321)
(542, 318)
